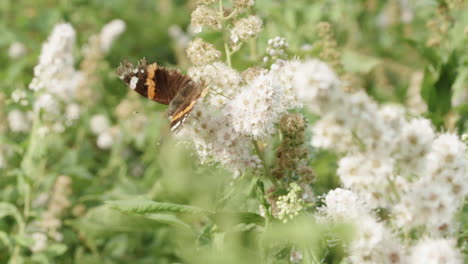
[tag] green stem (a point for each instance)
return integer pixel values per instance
(262, 158)
(234, 13)
(228, 54)
(394, 188)
(221, 12)
(253, 49)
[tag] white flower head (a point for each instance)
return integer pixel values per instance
(257, 108)
(204, 16)
(368, 176)
(330, 133)
(447, 164)
(413, 143)
(201, 53)
(436, 251)
(19, 121)
(246, 28)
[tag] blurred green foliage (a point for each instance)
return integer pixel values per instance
(201, 215)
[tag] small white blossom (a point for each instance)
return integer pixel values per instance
(19, 121)
(40, 242)
(99, 123)
(17, 50)
(72, 112)
(19, 96)
(105, 140)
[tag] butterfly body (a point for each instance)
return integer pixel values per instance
(164, 86)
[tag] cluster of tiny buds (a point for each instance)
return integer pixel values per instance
(275, 52)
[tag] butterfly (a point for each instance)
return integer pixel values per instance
(164, 86)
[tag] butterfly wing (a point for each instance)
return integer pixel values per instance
(162, 85)
(151, 81)
(183, 104)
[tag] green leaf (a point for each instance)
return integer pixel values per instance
(57, 249)
(140, 206)
(23, 240)
(168, 219)
(428, 53)
(436, 89)
(102, 220)
(239, 218)
(5, 240)
(9, 209)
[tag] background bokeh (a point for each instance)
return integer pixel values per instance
(384, 47)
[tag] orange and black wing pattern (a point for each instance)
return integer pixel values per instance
(162, 85)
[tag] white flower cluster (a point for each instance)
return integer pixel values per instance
(55, 72)
(56, 80)
(376, 242)
(389, 161)
(291, 204)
